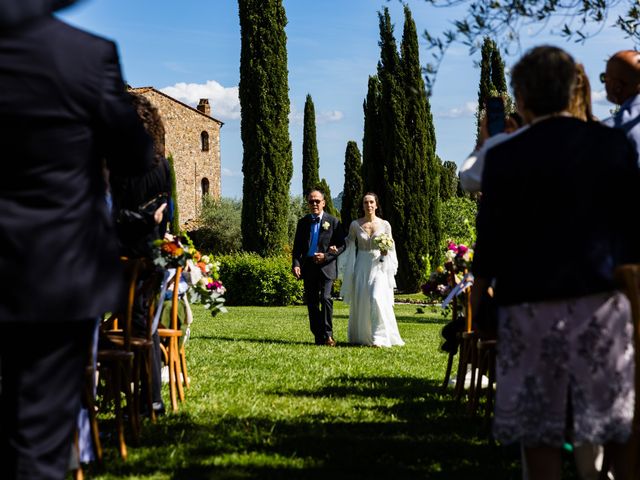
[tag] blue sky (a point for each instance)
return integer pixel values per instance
(191, 49)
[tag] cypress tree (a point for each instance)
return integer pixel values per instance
(352, 191)
(372, 152)
(448, 181)
(310, 160)
(421, 226)
(267, 163)
(394, 140)
(323, 186)
(497, 71)
(492, 79)
(175, 219)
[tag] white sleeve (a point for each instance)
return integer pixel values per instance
(347, 264)
(390, 263)
(471, 170)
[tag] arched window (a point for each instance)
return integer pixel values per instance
(204, 140)
(205, 188)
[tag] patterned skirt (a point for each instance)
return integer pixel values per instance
(565, 371)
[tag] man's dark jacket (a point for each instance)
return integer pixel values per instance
(63, 111)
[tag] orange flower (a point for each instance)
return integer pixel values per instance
(202, 266)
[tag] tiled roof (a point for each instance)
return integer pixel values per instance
(148, 89)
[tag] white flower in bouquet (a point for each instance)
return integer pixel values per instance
(384, 243)
(449, 255)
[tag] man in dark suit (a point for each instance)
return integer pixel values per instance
(63, 110)
(318, 268)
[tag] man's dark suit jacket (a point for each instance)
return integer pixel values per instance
(332, 235)
(63, 110)
(558, 211)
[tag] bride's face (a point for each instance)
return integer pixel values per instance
(369, 204)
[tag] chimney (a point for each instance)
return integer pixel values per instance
(204, 107)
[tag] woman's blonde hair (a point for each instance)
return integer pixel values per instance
(580, 102)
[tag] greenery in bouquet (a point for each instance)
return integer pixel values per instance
(207, 289)
(383, 242)
(437, 286)
(458, 257)
(173, 252)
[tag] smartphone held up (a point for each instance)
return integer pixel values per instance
(495, 115)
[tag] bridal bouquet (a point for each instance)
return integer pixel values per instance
(383, 243)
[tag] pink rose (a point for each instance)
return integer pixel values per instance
(462, 249)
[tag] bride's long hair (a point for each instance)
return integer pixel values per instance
(378, 207)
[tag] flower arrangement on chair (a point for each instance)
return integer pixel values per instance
(201, 273)
(458, 258)
(206, 287)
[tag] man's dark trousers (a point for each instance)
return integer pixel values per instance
(42, 368)
(317, 291)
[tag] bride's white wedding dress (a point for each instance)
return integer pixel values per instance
(367, 287)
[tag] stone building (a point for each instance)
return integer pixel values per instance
(192, 138)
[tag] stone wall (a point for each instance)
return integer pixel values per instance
(184, 128)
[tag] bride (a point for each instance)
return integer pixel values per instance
(368, 280)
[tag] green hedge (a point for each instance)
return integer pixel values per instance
(253, 280)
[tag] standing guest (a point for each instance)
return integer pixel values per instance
(579, 107)
(369, 279)
(316, 265)
(565, 364)
(63, 108)
(141, 216)
(622, 83)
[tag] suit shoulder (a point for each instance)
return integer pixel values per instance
(81, 38)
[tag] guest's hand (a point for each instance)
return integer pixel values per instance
(158, 214)
(333, 249)
(296, 272)
(319, 257)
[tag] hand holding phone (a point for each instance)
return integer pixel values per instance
(495, 115)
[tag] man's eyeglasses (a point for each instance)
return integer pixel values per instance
(603, 77)
(314, 202)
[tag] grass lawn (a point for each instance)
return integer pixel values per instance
(265, 402)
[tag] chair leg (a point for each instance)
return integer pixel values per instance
(147, 378)
(447, 374)
(179, 373)
(473, 353)
(117, 388)
(134, 418)
(463, 362)
(183, 364)
(172, 376)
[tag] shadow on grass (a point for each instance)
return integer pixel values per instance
(427, 435)
(267, 340)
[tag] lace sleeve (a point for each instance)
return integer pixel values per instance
(347, 263)
(390, 263)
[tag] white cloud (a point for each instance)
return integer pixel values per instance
(225, 103)
(467, 110)
(600, 97)
(227, 172)
(329, 116)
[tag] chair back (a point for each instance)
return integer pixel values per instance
(628, 277)
(123, 319)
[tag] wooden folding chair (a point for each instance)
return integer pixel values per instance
(115, 362)
(454, 317)
(629, 278)
(468, 352)
(174, 352)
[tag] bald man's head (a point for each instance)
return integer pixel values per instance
(622, 78)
